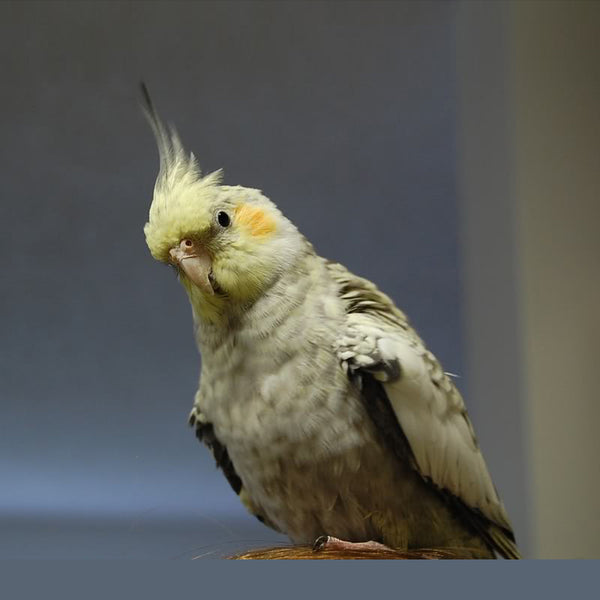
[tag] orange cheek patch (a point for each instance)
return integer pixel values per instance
(254, 219)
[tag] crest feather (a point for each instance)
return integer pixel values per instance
(172, 155)
(181, 193)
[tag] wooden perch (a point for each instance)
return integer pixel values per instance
(307, 553)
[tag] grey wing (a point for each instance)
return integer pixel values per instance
(378, 347)
(205, 433)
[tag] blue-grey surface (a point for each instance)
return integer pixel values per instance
(343, 113)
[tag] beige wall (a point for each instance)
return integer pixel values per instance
(555, 58)
(529, 172)
(494, 365)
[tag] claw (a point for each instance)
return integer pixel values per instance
(328, 542)
(320, 543)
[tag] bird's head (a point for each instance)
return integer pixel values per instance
(229, 244)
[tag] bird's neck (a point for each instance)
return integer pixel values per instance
(206, 309)
(223, 317)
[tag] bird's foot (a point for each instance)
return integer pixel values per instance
(328, 542)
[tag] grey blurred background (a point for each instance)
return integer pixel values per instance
(447, 151)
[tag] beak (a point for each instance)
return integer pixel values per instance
(194, 261)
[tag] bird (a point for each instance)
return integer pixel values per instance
(323, 407)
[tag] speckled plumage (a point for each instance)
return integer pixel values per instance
(322, 405)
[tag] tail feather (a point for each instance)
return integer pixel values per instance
(503, 544)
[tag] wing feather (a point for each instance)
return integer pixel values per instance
(429, 409)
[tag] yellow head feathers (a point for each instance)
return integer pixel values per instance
(247, 249)
(181, 195)
(181, 205)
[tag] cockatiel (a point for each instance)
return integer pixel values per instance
(321, 404)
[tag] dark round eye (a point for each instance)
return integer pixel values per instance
(223, 219)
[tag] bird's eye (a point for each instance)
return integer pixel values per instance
(223, 219)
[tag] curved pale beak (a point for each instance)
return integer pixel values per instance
(195, 262)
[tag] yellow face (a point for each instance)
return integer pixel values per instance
(228, 244)
(242, 258)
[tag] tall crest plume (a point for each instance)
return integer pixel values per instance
(173, 158)
(180, 189)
